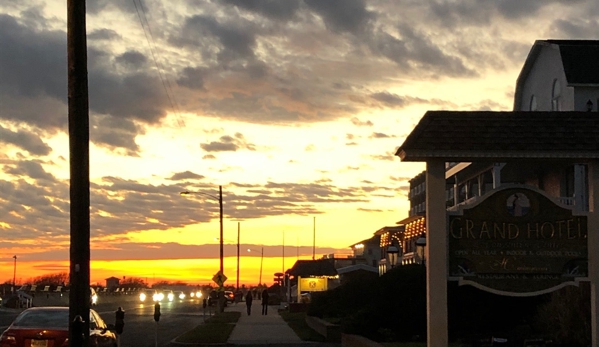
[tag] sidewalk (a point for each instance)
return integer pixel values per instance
(257, 329)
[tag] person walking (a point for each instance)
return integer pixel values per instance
(248, 301)
(264, 302)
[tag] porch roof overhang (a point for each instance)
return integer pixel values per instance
(502, 136)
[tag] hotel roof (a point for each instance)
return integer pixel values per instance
(505, 136)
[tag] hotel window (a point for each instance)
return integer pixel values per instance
(533, 103)
(556, 96)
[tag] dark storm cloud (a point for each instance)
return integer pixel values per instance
(31, 169)
(97, 6)
(114, 133)
(185, 175)
(272, 9)
(219, 146)
(232, 40)
(376, 135)
(516, 8)
(34, 211)
(415, 51)
(137, 96)
(33, 84)
(228, 144)
(342, 15)
(158, 251)
(564, 28)
(193, 78)
(103, 34)
(132, 59)
(357, 122)
(28, 141)
(32, 64)
(392, 100)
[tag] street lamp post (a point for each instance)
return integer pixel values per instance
(14, 275)
(220, 204)
(261, 260)
(221, 296)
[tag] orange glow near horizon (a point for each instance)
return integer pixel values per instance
(190, 271)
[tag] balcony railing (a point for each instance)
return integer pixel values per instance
(568, 201)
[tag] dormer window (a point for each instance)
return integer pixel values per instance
(556, 96)
(533, 103)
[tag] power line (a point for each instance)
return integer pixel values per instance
(166, 85)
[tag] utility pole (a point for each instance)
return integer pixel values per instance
(78, 112)
(314, 240)
(238, 235)
(14, 275)
(220, 203)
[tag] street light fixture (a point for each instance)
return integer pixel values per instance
(220, 202)
(261, 260)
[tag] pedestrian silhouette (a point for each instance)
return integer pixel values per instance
(264, 302)
(248, 302)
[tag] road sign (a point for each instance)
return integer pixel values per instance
(219, 278)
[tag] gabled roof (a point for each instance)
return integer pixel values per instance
(579, 58)
(411, 219)
(479, 135)
(307, 268)
(391, 229)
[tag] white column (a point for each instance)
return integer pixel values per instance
(456, 193)
(580, 198)
(497, 174)
(480, 181)
(593, 247)
(436, 255)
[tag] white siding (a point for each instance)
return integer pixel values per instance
(546, 69)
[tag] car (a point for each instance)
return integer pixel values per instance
(229, 296)
(180, 295)
(151, 294)
(93, 297)
(49, 326)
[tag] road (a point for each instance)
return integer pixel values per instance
(140, 328)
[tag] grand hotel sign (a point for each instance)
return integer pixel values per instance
(517, 241)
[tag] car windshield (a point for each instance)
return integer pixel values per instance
(43, 318)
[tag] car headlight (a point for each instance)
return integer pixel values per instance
(142, 297)
(182, 296)
(7, 338)
(192, 294)
(199, 294)
(171, 296)
(94, 299)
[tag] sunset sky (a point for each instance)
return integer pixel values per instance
(295, 107)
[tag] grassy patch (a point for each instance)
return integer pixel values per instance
(216, 329)
(297, 322)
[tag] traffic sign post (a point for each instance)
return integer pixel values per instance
(220, 279)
